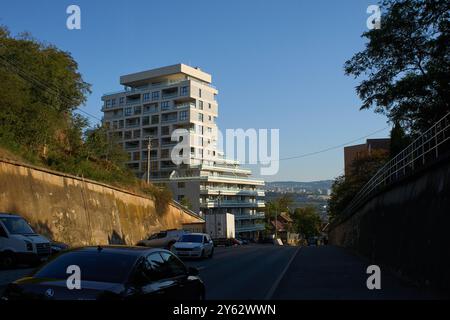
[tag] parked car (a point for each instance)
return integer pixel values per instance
(199, 245)
(111, 272)
(236, 242)
(242, 241)
(19, 244)
(163, 239)
(57, 247)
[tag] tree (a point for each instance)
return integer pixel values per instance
(406, 63)
(307, 221)
(41, 87)
(186, 203)
(344, 188)
(278, 205)
(399, 139)
(101, 147)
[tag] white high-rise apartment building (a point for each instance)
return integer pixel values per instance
(152, 105)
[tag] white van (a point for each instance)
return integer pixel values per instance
(19, 243)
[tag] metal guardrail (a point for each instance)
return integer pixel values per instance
(423, 150)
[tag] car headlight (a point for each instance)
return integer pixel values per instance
(29, 245)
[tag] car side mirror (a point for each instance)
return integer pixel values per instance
(193, 271)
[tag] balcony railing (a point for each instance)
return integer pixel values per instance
(232, 203)
(258, 215)
(255, 227)
(422, 151)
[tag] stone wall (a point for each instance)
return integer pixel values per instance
(406, 228)
(82, 212)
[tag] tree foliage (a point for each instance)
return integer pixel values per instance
(344, 188)
(41, 88)
(307, 221)
(406, 63)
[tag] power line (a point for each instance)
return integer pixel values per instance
(331, 148)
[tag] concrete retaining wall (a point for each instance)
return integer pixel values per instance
(406, 228)
(82, 212)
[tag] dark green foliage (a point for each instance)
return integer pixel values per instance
(344, 188)
(307, 221)
(40, 89)
(399, 139)
(406, 63)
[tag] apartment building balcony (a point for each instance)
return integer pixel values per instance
(254, 216)
(232, 204)
(233, 179)
(255, 227)
(231, 191)
(133, 102)
(185, 106)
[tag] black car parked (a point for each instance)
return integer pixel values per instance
(111, 272)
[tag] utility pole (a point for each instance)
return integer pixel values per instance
(149, 146)
(276, 222)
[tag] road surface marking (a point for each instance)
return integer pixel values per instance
(277, 282)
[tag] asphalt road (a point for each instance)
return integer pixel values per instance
(293, 273)
(257, 272)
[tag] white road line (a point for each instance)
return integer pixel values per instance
(278, 280)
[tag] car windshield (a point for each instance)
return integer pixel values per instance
(191, 238)
(17, 225)
(94, 266)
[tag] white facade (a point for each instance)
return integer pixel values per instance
(156, 102)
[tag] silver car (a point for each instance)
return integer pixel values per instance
(197, 245)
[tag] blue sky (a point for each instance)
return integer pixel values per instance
(277, 64)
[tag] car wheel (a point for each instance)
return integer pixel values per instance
(212, 253)
(203, 254)
(7, 260)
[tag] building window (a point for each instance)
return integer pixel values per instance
(164, 153)
(146, 96)
(121, 100)
(209, 118)
(151, 108)
(184, 91)
(183, 115)
(145, 121)
(200, 117)
(181, 185)
(209, 105)
(113, 102)
(209, 130)
(200, 93)
(165, 105)
(128, 111)
(155, 95)
(155, 119)
(108, 103)
(165, 131)
(180, 197)
(200, 104)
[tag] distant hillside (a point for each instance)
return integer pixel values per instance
(313, 185)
